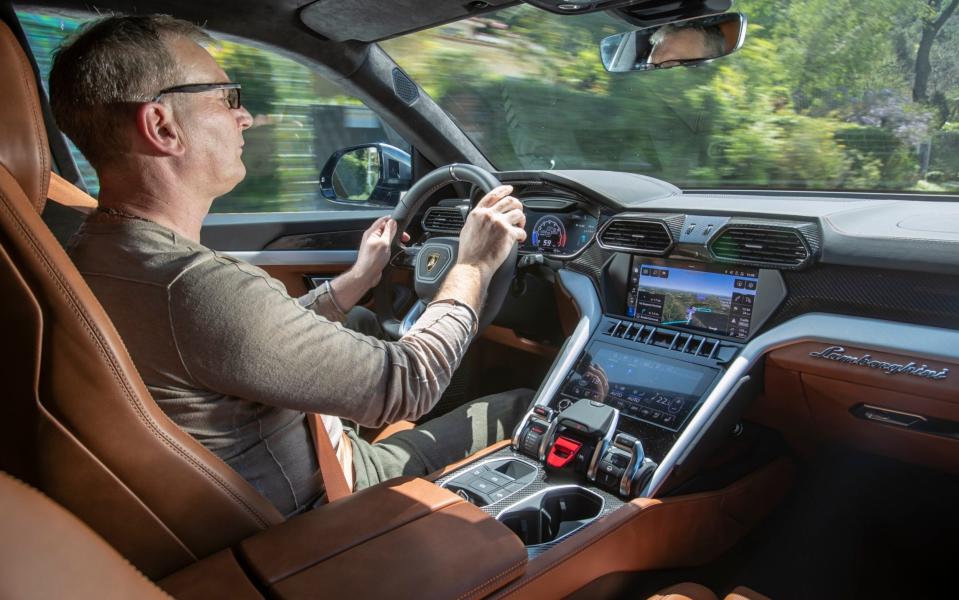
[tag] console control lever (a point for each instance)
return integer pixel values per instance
(623, 465)
(563, 452)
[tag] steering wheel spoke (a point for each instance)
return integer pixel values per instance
(432, 261)
(405, 257)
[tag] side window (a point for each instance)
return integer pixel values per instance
(311, 146)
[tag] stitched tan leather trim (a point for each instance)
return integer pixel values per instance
(23, 151)
(45, 552)
(809, 400)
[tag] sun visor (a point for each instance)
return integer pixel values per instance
(373, 20)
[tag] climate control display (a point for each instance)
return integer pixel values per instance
(642, 386)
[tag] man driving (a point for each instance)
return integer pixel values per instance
(224, 350)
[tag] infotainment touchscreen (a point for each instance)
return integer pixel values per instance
(700, 296)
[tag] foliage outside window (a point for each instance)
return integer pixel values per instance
(825, 94)
(300, 119)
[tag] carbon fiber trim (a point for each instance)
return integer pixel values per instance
(610, 504)
(590, 262)
(920, 298)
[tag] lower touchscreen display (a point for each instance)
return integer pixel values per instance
(643, 386)
(699, 296)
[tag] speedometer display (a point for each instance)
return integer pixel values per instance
(558, 233)
(549, 234)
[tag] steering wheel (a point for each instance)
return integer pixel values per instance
(438, 255)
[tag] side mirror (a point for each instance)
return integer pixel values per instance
(677, 44)
(371, 174)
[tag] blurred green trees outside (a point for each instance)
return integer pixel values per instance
(819, 97)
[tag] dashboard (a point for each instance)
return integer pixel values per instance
(682, 294)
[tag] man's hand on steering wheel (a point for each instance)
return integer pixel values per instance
(374, 251)
(491, 229)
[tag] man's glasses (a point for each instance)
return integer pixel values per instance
(232, 91)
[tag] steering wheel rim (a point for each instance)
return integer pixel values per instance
(403, 214)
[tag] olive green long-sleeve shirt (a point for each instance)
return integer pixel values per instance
(236, 362)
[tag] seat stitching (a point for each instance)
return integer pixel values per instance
(491, 580)
(30, 84)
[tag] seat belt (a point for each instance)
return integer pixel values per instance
(63, 192)
(330, 469)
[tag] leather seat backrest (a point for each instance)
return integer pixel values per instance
(98, 443)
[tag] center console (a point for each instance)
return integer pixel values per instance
(617, 411)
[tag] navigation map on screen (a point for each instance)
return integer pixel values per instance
(705, 297)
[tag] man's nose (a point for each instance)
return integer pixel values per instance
(244, 118)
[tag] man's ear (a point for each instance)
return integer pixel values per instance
(157, 128)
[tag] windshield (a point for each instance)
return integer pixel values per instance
(824, 94)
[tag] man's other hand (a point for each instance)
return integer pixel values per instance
(491, 228)
(374, 251)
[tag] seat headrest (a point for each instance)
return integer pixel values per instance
(24, 151)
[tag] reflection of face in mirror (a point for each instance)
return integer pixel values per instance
(356, 174)
(672, 44)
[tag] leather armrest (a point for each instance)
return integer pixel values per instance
(403, 538)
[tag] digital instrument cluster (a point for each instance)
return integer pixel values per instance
(561, 234)
(712, 298)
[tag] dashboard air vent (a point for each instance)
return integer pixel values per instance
(760, 246)
(443, 218)
(647, 237)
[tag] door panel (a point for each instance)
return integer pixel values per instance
(314, 230)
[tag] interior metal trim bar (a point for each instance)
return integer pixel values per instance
(265, 258)
(583, 292)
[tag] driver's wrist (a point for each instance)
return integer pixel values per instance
(360, 280)
(481, 270)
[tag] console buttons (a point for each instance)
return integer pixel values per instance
(482, 486)
(497, 479)
(499, 495)
(515, 486)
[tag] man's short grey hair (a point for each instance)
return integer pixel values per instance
(714, 42)
(100, 75)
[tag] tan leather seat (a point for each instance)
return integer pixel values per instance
(45, 552)
(694, 591)
(78, 421)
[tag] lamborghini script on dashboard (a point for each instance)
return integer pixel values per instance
(838, 354)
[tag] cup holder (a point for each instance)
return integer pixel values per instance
(552, 514)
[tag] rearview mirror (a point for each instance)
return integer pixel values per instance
(678, 44)
(371, 174)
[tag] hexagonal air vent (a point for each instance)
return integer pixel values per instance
(642, 236)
